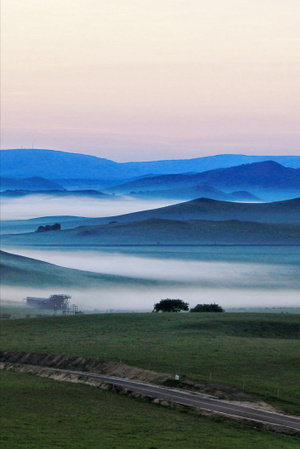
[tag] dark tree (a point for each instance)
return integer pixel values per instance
(207, 308)
(171, 305)
(55, 227)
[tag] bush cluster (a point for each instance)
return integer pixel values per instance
(177, 305)
(207, 308)
(55, 227)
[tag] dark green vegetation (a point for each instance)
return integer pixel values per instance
(207, 308)
(171, 305)
(257, 352)
(48, 228)
(42, 413)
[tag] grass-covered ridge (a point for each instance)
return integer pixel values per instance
(257, 352)
(162, 231)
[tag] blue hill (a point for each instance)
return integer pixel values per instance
(59, 165)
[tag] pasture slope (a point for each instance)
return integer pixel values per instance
(251, 353)
(232, 349)
(41, 413)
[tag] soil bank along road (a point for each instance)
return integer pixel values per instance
(194, 400)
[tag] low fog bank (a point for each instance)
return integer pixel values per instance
(230, 284)
(217, 274)
(271, 255)
(139, 299)
(48, 205)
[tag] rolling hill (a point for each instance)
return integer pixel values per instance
(188, 193)
(206, 209)
(199, 209)
(58, 165)
(57, 193)
(30, 184)
(194, 192)
(18, 270)
(158, 231)
(264, 179)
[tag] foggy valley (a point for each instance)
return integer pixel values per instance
(132, 250)
(232, 276)
(49, 205)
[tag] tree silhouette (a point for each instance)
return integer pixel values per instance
(207, 308)
(47, 228)
(171, 305)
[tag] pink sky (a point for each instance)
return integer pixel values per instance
(151, 79)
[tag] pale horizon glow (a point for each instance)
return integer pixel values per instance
(145, 80)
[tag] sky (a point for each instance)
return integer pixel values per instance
(151, 79)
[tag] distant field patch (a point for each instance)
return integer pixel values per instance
(256, 329)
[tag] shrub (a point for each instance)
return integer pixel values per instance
(207, 308)
(55, 227)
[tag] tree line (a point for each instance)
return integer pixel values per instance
(178, 305)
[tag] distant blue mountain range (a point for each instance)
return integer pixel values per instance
(267, 174)
(59, 165)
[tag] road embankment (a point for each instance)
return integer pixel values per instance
(112, 376)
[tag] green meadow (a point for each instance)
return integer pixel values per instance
(38, 413)
(255, 352)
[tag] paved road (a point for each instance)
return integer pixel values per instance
(193, 400)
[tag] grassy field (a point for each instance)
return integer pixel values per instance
(255, 352)
(42, 413)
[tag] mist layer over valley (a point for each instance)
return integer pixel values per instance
(40, 205)
(123, 253)
(234, 277)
